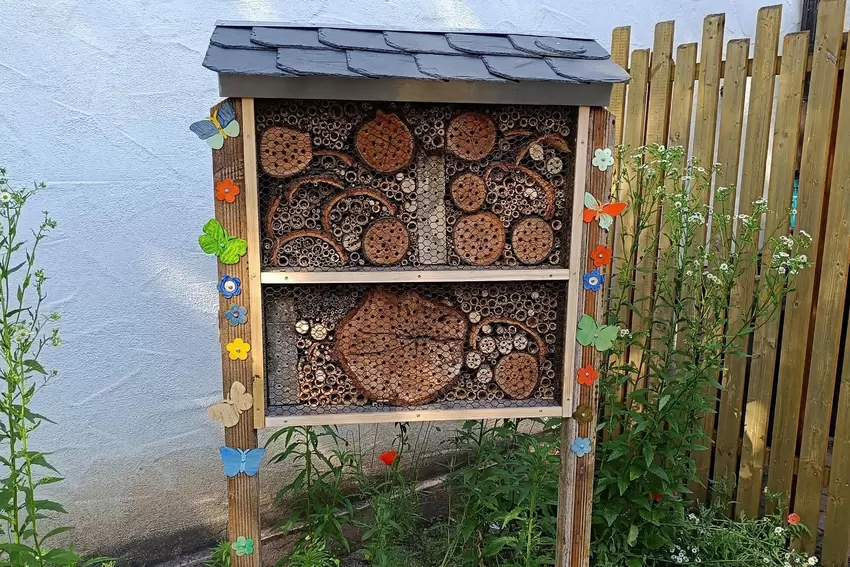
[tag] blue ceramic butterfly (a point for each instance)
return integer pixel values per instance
(241, 460)
(215, 129)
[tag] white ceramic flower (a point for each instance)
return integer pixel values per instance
(603, 158)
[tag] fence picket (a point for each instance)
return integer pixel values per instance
(753, 174)
(786, 136)
(705, 129)
(798, 318)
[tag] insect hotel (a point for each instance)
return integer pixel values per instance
(409, 226)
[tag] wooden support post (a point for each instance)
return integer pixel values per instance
(243, 495)
(596, 130)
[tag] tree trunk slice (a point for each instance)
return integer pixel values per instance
(547, 140)
(386, 241)
(479, 238)
(349, 193)
(517, 375)
(285, 152)
(476, 331)
(532, 240)
(274, 259)
(539, 180)
(401, 349)
(385, 144)
(471, 136)
(468, 192)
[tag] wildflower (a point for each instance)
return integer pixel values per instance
(655, 497)
(601, 256)
(812, 560)
(226, 190)
(5, 197)
(803, 258)
(693, 517)
(624, 332)
(388, 457)
(238, 349)
(806, 235)
(689, 273)
(781, 270)
(724, 267)
(794, 519)
(779, 530)
(587, 375)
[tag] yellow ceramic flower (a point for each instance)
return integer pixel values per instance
(238, 349)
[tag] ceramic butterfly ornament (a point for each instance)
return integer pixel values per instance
(241, 460)
(218, 127)
(229, 411)
(604, 213)
(602, 337)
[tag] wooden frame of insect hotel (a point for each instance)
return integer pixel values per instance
(409, 226)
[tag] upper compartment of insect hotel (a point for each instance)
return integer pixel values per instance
(407, 150)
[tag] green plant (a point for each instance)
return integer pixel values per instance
(220, 556)
(684, 329)
(24, 332)
(316, 494)
(309, 552)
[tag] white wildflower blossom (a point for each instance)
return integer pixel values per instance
(724, 267)
(778, 530)
(806, 235)
(812, 560)
(5, 197)
(624, 332)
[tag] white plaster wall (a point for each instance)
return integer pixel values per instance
(96, 99)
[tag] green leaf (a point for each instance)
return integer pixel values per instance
(234, 249)
(56, 531)
(633, 535)
(213, 238)
(35, 365)
(49, 505)
(663, 402)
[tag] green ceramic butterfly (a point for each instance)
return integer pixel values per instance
(217, 242)
(243, 546)
(602, 337)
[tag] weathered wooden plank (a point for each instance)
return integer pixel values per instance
(598, 184)
(836, 536)
(753, 175)
(826, 341)
(786, 136)
(793, 359)
(243, 494)
(657, 120)
(620, 45)
(705, 129)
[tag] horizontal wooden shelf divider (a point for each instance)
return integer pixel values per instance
(413, 415)
(352, 277)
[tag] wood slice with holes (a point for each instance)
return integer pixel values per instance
(517, 374)
(385, 144)
(386, 241)
(285, 152)
(468, 192)
(532, 240)
(401, 349)
(471, 136)
(479, 238)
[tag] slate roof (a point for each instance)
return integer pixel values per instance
(245, 48)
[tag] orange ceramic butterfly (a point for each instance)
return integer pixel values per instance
(605, 213)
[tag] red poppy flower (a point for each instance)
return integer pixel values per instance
(226, 190)
(655, 497)
(587, 375)
(388, 457)
(794, 519)
(601, 256)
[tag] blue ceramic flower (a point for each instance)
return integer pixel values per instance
(236, 314)
(581, 446)
(229, 286)
(594, 280)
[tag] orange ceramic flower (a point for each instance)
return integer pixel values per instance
(587, 375)
(388, 457)
(238, 349)
(794, 519)
(601, 256)
(226, 190)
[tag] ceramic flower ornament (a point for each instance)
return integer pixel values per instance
(583, 414)
(226, 190)
(238, 349)
(594, 280)
(587, 375)
(243, 546)
(217, 242)
(581, 446)
(229, 286)
(236, 314)
(601, 256)
(603, 158)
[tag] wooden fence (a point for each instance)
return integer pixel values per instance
(783, 419)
